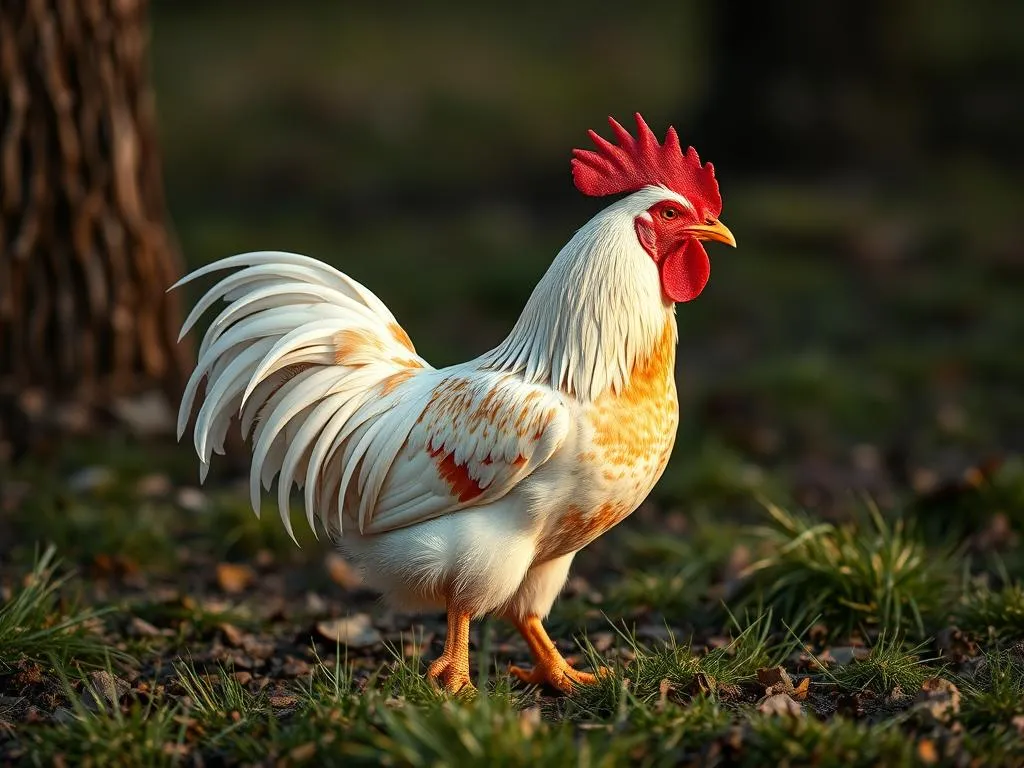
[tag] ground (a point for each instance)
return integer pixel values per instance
(830, 572)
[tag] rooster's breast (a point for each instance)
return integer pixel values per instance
(625, 442)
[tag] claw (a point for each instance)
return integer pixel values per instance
(559, 674)
(447, 674)
(551, 667)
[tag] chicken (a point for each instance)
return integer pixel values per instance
(471, 488)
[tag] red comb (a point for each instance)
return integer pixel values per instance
(636, 163)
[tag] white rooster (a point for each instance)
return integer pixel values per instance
(471, 488)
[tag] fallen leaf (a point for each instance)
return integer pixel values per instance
(927, 752)
(800, 692)
(303, 752)
(1018, 723)
(664, 688)
(234, 577)
(956, 644)
(232, 634)
(529, 721)
(355, 631)
(341, 572)
(142, 628)
(775, 679)
(104, 690)
(938, 700)
(781, 705)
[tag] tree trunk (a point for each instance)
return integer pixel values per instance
(86, 255)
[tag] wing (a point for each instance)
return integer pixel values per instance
(477, 435)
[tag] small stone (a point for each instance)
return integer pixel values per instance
(846, 654)
(295, 667)
(355, 631)
(242, 677)
(602, 641)
(91, 479)
(192, 500)
(283, 701)
(315, 604)
(153, 485)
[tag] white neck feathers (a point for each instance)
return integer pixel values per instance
(597, 310)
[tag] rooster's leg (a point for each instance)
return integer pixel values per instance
(551, 667)
(451, 670)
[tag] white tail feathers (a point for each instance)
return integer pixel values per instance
(307, 358)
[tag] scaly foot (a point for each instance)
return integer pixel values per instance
(551, 667)
(451, 670)
(448, 673)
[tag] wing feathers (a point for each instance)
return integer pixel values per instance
(336, 401)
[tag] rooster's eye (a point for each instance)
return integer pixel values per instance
(668, 213)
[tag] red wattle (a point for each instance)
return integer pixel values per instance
(685, 271)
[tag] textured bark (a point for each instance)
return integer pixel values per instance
(86, 254)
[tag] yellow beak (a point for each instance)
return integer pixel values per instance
(717, 232)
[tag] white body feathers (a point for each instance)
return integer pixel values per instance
(474, 484)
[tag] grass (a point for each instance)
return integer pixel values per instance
(863, 575)
(994, 613)
(36, 625)
(209, 679)
(150, 734)
(889, 667)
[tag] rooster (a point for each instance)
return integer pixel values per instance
(471, 488)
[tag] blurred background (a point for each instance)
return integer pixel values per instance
(864, 337)
(865, 334)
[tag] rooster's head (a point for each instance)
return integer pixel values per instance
(684, 208)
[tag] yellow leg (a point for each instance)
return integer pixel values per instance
(451, 670)
(551, 667)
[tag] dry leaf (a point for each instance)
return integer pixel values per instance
(938, 700)
(234, 577)
(780, 704)
(355, 631)
(529, 721)
(776, 679)
(800, 692)
(341, 572)
(232, 634)
(926, 752)
(303, 752)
